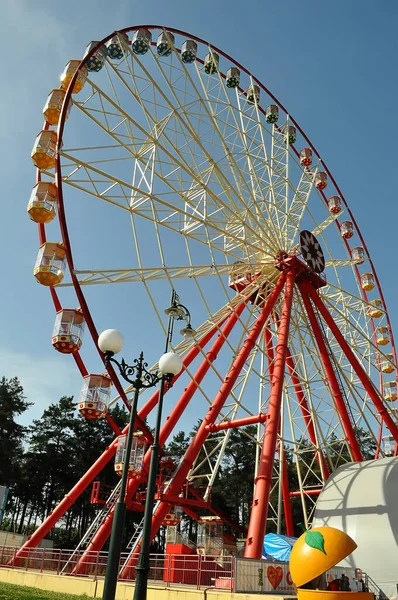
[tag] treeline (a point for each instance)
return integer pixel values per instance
(40, 463)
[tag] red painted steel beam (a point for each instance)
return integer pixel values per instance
(306, 492)
(356, 365)
(260, 418)
(287, 507)
(104, 531)
(263, 481)
(219, 401)
(330, 373)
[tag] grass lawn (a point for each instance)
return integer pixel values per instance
(20, 592)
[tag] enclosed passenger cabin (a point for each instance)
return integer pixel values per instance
(53, 106)
(239, 280)
(367, 282)
(290, 133)
(334, 205)
(165, 43)
(68, 73)
(387, 363)
(209, 539)
(138, 449)
(117, 46)
(375, 308)
(358, 255)
(211, 62)
(253, 94)
(188, 51)
(306, 157)
(321, 180)
(44, 149)
(97, 60)
(347, 230)
(42, 206)
(233, 77)
(68, 330)
(94, 396)
(382, 336)
(50, 264)
(142, 39)
(173, 517)
(388, 445)
(272, 113)
(390, 391)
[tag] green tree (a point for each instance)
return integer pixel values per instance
(12, 404)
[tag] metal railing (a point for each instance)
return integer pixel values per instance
(165, 570)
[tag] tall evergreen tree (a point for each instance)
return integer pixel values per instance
(12, 404)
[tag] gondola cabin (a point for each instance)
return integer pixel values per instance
(334, 205)
(173, 517)
(44, 150)
(94, 396)
(141, 41)
(239, 280)
(68, 330)
(382, 336)
(138, 449)
(53, 106)
(42, 206)
(367, 282)
(209, 539)
(233, 77)
(358, 255)
(188, 51)
(390, 391)
(375, 308)
(290, 133)
(165, 43)
(253, 94)
(68, 73)
(50, 264)
(96, 60)
(387, 363)
(306, 157)
(347, 230)
(388, 445)
(211, 63)
(117, 46)
(272, 113)
(321, 181)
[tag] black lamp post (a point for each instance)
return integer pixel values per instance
(170, 364)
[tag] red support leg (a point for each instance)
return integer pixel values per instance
(331, 375)
(356, 365)
(287, 508)
(219, 401)
(263, 482)
(104, 531)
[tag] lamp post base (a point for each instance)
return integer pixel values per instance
(112, 567)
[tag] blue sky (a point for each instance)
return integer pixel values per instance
(332, 64)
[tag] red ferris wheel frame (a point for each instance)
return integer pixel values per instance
(289, 273)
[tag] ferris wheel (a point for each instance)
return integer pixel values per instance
(189, 175)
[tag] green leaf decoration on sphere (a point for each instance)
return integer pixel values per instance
(315, 540)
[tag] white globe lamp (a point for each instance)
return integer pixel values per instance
(111, 340)
(170, 364)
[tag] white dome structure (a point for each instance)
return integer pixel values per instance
(361, 499)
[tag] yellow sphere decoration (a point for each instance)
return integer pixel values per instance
(316, 551)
